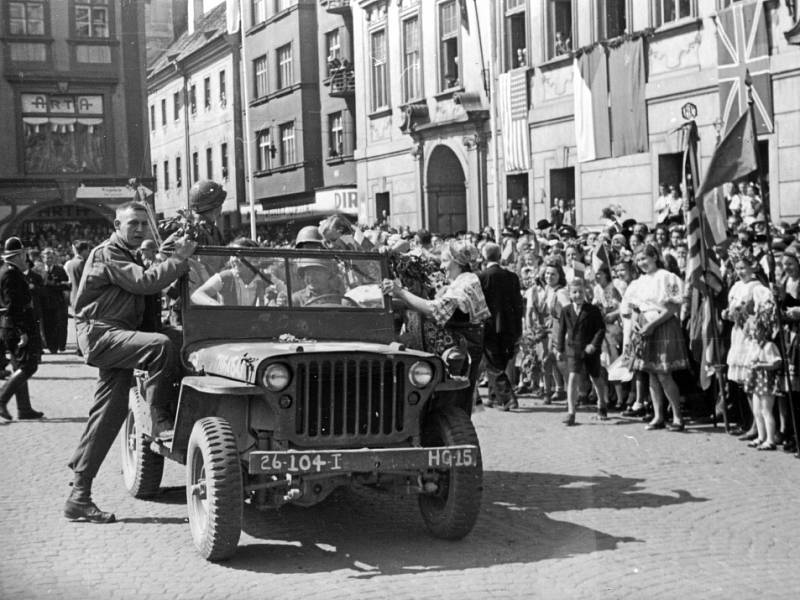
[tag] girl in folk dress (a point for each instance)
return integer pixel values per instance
(653, 301)
(549, 305)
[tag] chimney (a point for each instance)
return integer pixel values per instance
(195, 14)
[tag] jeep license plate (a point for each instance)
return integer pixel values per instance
(383, 459)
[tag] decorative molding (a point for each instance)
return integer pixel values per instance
(663, 58)
(474, 141)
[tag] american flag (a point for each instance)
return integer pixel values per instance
(743, 45)
(702, 266)
(512, 98)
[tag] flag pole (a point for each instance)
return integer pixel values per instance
(765, 206)
(689, 112)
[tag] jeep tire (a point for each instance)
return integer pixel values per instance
(214, 488)
(142, 468)
(451, 512)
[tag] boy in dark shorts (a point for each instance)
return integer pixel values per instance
(580, 333)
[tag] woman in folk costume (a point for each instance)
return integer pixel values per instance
(653, 302)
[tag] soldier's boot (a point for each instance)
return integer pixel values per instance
(18, 378)
(79, 505)
(24, 409)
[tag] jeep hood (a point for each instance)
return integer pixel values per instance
(241, 360)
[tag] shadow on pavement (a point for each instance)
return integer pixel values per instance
(154, 520)
(46, 420)
(375, 534)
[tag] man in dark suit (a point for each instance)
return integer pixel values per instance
(19, 330)
(54, 303)
(580, 333)
(504, 328)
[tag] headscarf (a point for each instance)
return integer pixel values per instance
(461, 252)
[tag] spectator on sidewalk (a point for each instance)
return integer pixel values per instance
(54, 303)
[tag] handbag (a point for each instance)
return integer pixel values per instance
(768, 357)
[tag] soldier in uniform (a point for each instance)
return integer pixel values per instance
(322, 285)
(109, 309)
(19, 330)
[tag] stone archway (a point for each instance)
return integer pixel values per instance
(42, 214)
(446, 192)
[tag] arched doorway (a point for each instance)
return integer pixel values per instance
(58, 225)
(446, 192)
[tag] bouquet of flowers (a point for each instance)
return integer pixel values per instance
(740, 312)
(418, 273)
(183, 223)
(762, 325)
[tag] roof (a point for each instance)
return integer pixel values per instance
(211, 26)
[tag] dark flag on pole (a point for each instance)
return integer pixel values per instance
(734, 158)
(703, 274)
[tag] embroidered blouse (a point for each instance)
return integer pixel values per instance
(463, 293)
(652, 292)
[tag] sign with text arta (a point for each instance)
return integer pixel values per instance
(742, 49)
(339, 199)
(61, 104)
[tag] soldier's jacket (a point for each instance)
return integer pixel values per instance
(114, 284)
(16, 301)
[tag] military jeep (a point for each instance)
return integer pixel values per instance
(293, 387)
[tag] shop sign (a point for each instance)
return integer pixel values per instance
(344, 200)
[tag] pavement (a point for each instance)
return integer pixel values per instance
(601, 510)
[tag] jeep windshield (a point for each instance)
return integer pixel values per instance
(264, 279)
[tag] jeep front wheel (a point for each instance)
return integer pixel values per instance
(214, 488)
(142, 468)
(451, 511)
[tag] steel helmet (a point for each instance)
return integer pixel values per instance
(206, 195)
(309, 236)
(305, 263)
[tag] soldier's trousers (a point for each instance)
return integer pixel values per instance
(116, 352)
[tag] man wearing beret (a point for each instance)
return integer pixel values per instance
(19, 329)
(109, 310)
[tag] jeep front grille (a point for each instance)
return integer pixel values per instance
(339, 399)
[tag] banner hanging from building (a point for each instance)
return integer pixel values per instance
(626, 84)
(742, 48)
(512, 97)
(590, 87)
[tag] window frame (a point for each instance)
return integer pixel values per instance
(284, 65)
(382, 68)
(106, 5)
(601, 34)
(223, 88)
(45, 19)
(405, 79)
(223, 161)
(210, 163)
(336, 135)
(176, 106)
(509, 13)
(656, 14)
(163, 112)
(258, 12)
(166, 175)
(288, 147)
(260, 75)
(195, 167)
(329, 35)
(193, 99)
(264, 150)
(207, 93)
(442, 81)
(153, 118)
(178, 172)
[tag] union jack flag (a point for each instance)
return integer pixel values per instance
(744, 47)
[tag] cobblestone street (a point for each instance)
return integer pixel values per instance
(602, 510)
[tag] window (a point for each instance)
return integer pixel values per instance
(449, 24)
(333, 46)
(412, 87)
(285, 71)
(335, 135)
(380, 92)
(178, 172)
(195, 167)
(222, 89)
(667, 11)
(613, 18)
(91, 18)
(223, 160)
(193, 99)
(559, 28)
(152, 117)
(209, 163)
(207, 93)
(260, 76)
(163, 112)
(166, 174)
(155, 175)
(26, 18)
(259, 11)
(288, 154)
(176, 106)
(516, 37)
(265, 151)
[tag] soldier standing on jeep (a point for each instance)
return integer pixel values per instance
(109, 309)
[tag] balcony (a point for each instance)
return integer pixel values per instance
(342, 82)
(339, 7)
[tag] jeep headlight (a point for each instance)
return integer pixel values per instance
(457, 361)
(420, 374)
(276, 377)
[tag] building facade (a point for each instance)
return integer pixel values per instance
(423, 156)
(682, 54)
(73, 114)
(194, 109)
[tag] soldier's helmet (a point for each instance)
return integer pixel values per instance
(206, 195)
(309, 237)
(305, 263)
